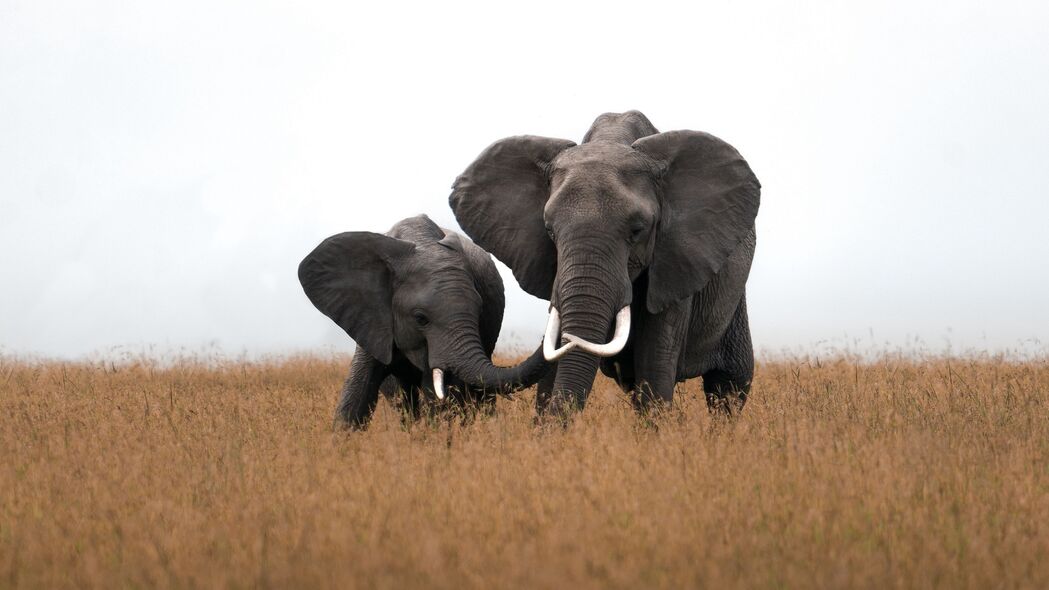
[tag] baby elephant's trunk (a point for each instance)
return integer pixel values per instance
(479, 371)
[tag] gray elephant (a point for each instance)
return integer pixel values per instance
(425, 306)
(639, 236)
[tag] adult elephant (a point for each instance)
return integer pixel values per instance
(639, 236)
(425, 307)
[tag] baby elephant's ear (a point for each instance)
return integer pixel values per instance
(348, 277)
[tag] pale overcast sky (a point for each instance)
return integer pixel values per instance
(164, 166)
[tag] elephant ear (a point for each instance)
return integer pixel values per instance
(499, 202)
(348, 277)
(710, 200)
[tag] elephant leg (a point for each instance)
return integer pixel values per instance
(360, 392)
(657, 351)
(726, 392)
(727, 385)
(544, 390)
(410, 401)
(390, 388)
(401, 394)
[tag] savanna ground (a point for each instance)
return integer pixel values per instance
(897, 472)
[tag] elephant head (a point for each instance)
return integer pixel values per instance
(579, 224)
(420, 295)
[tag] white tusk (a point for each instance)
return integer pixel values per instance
(618, 339)
(553, 330)
(438, 383)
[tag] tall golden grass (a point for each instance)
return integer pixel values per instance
(840, 473)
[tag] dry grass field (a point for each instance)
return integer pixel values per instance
(840, 473)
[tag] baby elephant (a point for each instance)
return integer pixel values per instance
(425, 306)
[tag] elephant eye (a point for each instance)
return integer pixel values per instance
(550, 231)
(635, 233)
(421, 319)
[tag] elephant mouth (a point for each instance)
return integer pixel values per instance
(612, 348)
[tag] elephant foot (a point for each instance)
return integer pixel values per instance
(725, 394)
(556, 410)
(651, 401)
(727, 405)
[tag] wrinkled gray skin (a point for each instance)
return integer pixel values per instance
(663, 222)
(418, 298)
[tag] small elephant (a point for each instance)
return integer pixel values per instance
(425, 306)
(652, 230)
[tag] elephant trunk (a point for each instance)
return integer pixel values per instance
(590, 293)
(472, 365)
(480, 371)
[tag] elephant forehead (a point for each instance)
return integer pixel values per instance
(602, 204)
(437, 272)
(597, 188)
(440, 298)
(597, 156)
